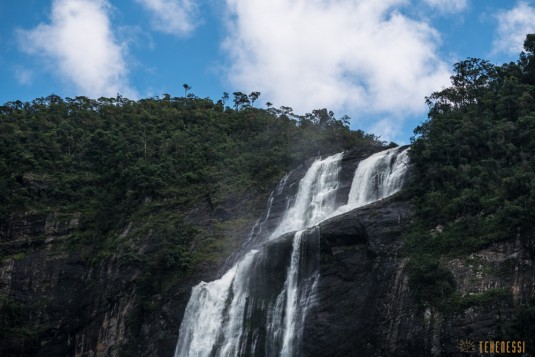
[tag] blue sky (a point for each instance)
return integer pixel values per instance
(372, 60)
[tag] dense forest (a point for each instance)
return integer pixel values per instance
(474, 160)
(110, 154)
(153, 162)
(116, 152)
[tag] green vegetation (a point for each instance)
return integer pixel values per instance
(114, 163)
(522, 325)
(485, 298)
(161, 184)
(474, 160)
(104, 157)
(430, 282)
(15, 323)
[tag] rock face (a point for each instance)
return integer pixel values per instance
(57, 300)
(361, 268)
(62, 303)
(364, 306)
(68, 306)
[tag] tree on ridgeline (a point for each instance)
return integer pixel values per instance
(253, 97)
(187, 87)
(225, 98)
(241, 100)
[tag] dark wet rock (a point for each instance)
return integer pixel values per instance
(356, 271)
(363, 303)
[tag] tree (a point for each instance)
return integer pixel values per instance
(527, 59)
(529, 44)
(187, 87)
(224, 98)
(346, 120)
(253, 96)
(240, 100)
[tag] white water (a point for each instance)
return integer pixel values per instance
(203, 320)
(232, 331)
(315, 198)
(377, 177)
(298, 293)
(219, 316)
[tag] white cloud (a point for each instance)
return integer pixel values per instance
(448, 6)
(175, 17)
(24, 76)
(387, 128)
(363, 58)
(513, 26)
(81, 47)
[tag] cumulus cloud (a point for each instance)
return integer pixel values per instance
(363, 58)
(174, 17)
(79, 44)
(448, 6)
(513, 26)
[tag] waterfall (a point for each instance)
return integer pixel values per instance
(315, 198)
(377, 177)
(259, 305)
(206, 309)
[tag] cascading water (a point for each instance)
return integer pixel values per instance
(377, 177)
(207, 313)
(315, 199)
(259, 305)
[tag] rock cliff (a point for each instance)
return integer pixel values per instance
(364, 306)
(60, 301)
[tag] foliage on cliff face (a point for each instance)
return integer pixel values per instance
(474, 160)
(158, 186)
(106, 157)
